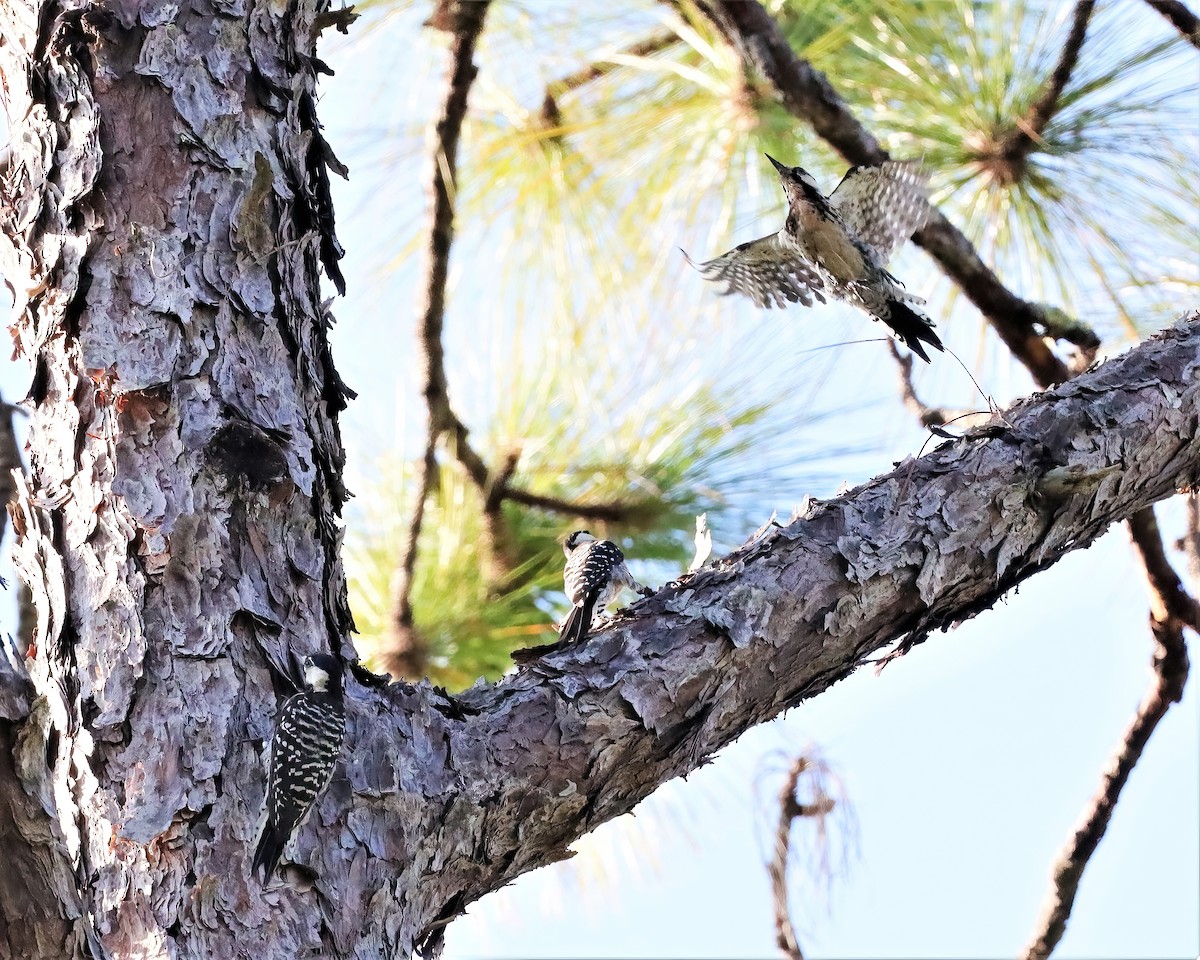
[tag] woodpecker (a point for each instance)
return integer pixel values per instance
(594, 575)
(308, 739)
(837, 246)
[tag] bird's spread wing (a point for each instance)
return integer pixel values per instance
(883, 205)
(771, 271)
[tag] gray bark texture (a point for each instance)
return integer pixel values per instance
(165, 220)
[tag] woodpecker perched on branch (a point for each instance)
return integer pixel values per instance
(594, 575)
(837, 246)
(308, 739)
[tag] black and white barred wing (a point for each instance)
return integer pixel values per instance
(308, 739)
(770, 271)
(883, 205)
(307, 742)
(589, 572)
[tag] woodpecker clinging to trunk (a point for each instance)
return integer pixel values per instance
(837, 245)
(594, 575)
(308, 739)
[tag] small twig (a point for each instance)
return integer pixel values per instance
(1169, 599)
(1184, 20)
(926, 415)
(570, 82)
(338, 19)
(499, 487)
(790, 807)
(500, 552)
(1170, 675)
(407, 654)
(1189, 543)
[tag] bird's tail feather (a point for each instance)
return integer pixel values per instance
(911, 327)
(269, 851)
(578, 622)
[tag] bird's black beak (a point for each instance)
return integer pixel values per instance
(778, 166)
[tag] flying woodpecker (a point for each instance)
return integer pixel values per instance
(594, 575)
(308, 739)
(837, 246)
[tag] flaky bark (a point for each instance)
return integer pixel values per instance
(166, 215)
(502, 779)
(165, 220)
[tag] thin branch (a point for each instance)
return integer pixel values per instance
(785, 933)
(808, 95)
(496, 486)
(927, 416)
(340, 20)
(1029, 131)
(1170, 668)
(790, 808)
(407, 655)
(556, 89)
(1189, 543)
(1169, 599)
(501, 554)
(1184, 20)
(465, 20)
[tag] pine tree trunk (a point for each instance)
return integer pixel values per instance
(165, 220)
(166, 216)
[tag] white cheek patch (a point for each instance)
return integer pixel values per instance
(315, 678)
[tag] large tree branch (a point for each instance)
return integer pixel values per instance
(1184, 20)
(808, 95)
(501, 780)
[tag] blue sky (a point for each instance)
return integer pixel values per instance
(967, 762)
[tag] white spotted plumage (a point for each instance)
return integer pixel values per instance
(772, 272)
(837, 246)
(594, 575)
(308, 739)
(883, 205)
